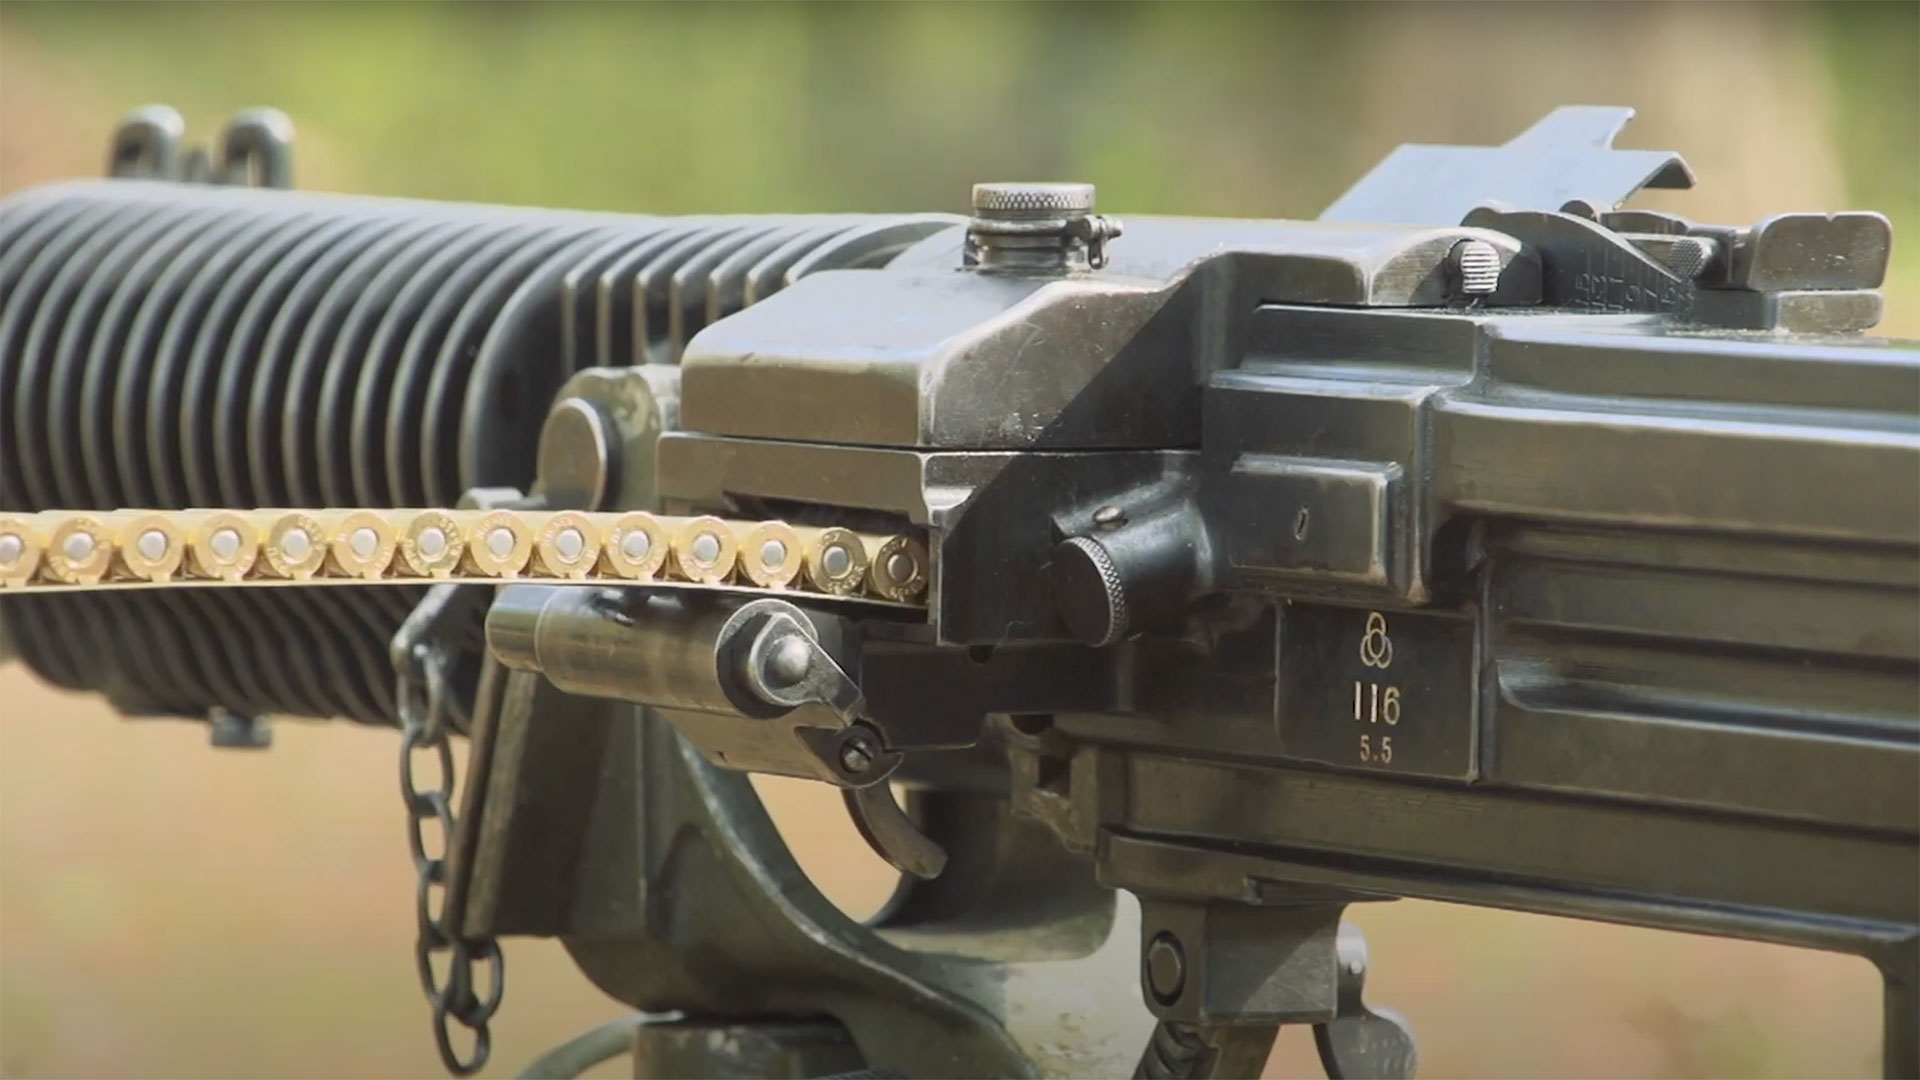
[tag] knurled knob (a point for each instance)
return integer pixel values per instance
(1031, 201)
(1088, 591)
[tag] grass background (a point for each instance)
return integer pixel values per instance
(168, 910)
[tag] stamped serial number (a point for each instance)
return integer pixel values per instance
(1378, 690)
(1375, 702)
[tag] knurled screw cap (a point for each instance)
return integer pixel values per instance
(1477, 264)
(1688, 256)
(1031, 201)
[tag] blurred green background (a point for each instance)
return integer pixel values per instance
(166, 910)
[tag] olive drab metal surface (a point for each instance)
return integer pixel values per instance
(1151, 591)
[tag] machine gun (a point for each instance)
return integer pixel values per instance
(1152, 595)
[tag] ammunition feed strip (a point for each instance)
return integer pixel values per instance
(133, 549)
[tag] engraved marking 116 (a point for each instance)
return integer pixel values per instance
(1375, 702)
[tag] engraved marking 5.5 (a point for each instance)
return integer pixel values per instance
(1376, 648)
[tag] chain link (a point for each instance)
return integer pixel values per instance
(425, 709)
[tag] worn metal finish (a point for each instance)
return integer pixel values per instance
(786, 1050)
(1567, 155)
(1037, 229)
(1361, 1041)
(168, 345)
(1174, 287)
(1482, 542)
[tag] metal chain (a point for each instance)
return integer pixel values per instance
(425, 706)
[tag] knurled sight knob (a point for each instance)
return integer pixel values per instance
(1037, 228)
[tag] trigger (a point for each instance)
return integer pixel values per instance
(892, 834)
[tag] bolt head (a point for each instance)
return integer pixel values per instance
(856, 756)
(788, 661)
(1109, 517)
(1166, 968)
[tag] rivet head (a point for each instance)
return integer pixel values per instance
(1109, 517)
(1166, 968)
(788, 661)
